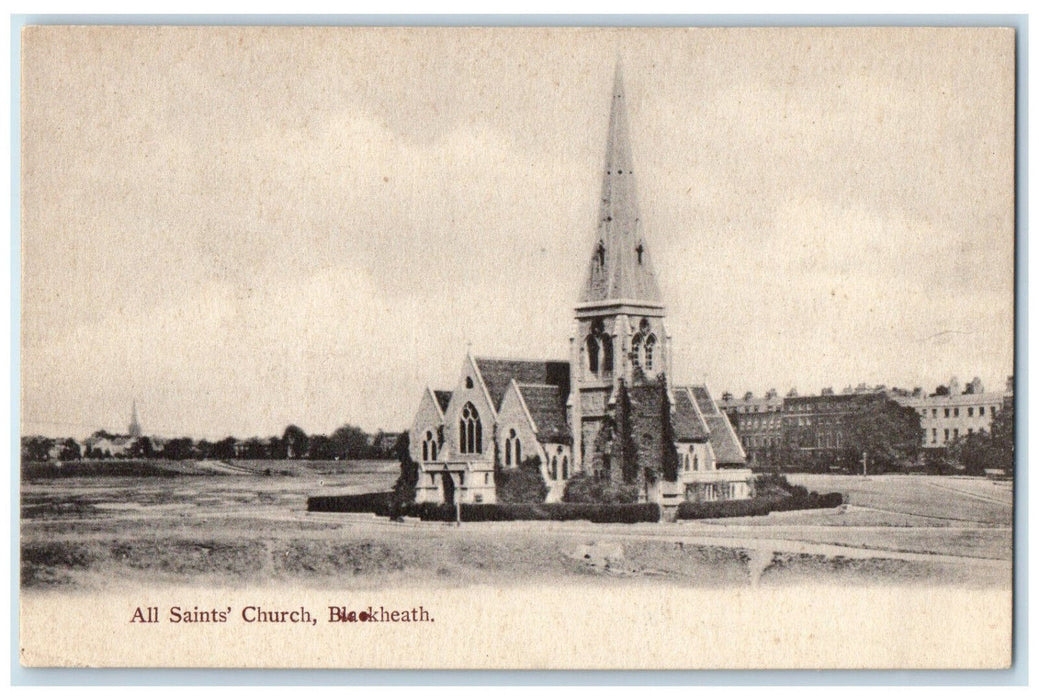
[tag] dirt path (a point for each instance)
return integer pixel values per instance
(971, 494)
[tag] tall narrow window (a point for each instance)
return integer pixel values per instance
(636, 349)
(566, 468)
(508, 452)
(600, 254)
(639, 251)
(429, 447)
(650, 342)
(593, 355)
(519, 458)
(470, 431)
(607, 355)
(555, 466)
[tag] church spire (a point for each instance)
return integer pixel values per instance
(134, 429)
(620, 268)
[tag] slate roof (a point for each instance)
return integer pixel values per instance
(547, 406)
(726, 445)
(689, 426)
(443, 398)
(703, 400)
(497, 373)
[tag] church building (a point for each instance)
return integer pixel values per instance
(611, 410)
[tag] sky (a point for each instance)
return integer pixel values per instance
(242, 228)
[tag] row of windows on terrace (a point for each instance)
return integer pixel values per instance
(954, 412)
(954, 434)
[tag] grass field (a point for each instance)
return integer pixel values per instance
(240, 523)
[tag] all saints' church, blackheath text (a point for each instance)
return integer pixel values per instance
(610, 411)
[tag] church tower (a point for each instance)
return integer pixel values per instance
(619, 331)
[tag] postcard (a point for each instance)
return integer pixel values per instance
(517, 348)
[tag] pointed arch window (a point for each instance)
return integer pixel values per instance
(555, 468)
(592, 349)
(599, 349)
(607, 356)
(470, 431)
(636, 350)
(651, 341)
(429, 447)
(566, 468)
(512, 449)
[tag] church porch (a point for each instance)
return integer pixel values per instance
(456, 482)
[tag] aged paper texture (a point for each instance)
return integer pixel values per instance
(517, 348)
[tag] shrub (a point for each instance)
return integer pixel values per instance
(405, 485)
(776, 485)
(585, 488)
(810, 501)
(525, 484)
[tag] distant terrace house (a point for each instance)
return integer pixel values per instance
(568, 413)
(947, 417)
(758, 421)
(818, 426)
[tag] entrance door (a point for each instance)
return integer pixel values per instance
(449, 489)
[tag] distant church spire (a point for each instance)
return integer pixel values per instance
(620, 266)
(134, 430)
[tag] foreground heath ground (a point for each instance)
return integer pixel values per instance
(246, 523)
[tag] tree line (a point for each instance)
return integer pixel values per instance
(346, 442)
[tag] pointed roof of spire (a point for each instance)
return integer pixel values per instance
(620, 267)
(135, 422)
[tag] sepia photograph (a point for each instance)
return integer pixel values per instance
(488, 344)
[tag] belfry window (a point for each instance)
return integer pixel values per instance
(636, 350)
(650, 342)
(470, 431)
(607, 355)
(592, 347)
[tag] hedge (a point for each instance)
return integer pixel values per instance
(377, 502)
(381, 503)
(812, 500)
(484, 512)
(757, 506)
